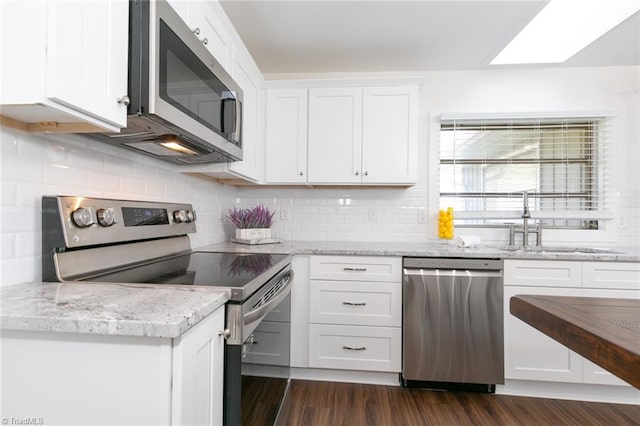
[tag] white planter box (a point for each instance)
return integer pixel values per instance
(253, 233)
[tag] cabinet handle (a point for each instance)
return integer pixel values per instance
(196, 31)
(349, 348)
(301, 173)
(205, 41)
(366, 173)
(354, 303)
(347, 268)
(357, 173)
(226, 333)
(124, 100)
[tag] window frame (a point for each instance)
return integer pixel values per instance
(497, 232)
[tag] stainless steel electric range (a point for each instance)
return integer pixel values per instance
(118, 241)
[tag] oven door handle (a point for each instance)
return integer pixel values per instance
(260, 312)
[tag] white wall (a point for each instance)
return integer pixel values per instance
(36, 165)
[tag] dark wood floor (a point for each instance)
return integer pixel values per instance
(311, 403)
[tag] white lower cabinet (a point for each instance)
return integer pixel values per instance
(355, 313)
(80, 379)
(530, 354)
(355, 347)
(198, 373)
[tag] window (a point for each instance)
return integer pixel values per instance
(486, 165)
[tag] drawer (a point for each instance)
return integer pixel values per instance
(614, 275)
(542, 273)
(355, 348)
(356, 268)
(355, 303)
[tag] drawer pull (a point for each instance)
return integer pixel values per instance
(349, 348)
(355, 269)
(354, 303)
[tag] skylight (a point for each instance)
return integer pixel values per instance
(563, 28)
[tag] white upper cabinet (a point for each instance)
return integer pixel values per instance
(390, 135)
(286, 144)
(335, 135)
(206, 22)
(210, 24)
(244, 74)
(363, 135)
(64, 64)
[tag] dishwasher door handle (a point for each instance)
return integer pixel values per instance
(451, 273)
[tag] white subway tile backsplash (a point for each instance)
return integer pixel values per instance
(15, 168)
(30, 194)
(8, 245)
(34, 165)
(9, 193)
(65, 176)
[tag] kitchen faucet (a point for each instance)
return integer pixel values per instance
(525, 229)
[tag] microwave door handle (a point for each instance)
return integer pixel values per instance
(228, 109)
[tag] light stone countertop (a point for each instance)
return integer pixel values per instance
(169, 311)
(111, 309)
(430, 249)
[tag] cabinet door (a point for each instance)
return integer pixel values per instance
(530, 354)
(242, 74)
(182, 8)
(87, 57)
(286, 146)
(206, 21)
(356, 268)
(198, 365)
(355, 348)
(611, 275)
(335, 135)
(543, 273)
(355, 303)
(390, 135)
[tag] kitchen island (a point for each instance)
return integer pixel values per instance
(605, 331)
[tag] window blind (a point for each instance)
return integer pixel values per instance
(486, 165)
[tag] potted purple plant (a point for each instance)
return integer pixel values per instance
(252, 224)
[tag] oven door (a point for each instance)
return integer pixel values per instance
(257, 370)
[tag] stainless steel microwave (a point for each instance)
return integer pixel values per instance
(183, 106)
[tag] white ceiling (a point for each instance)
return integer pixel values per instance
(337, 36)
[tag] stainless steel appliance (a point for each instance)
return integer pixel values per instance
(183, 107)
(452, 324)
(118, 241)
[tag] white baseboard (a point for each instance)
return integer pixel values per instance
(346, 376)
(571, 391)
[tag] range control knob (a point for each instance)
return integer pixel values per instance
(82, 217)
(105, 217)
(180, 216)
(184, 216)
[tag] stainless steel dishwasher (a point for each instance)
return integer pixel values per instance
(452, 325)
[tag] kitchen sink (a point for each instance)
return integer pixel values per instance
(543, 249)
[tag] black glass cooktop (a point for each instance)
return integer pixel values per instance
(224, 270)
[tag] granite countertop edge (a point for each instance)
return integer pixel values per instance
(107, 309)
(436, 249)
